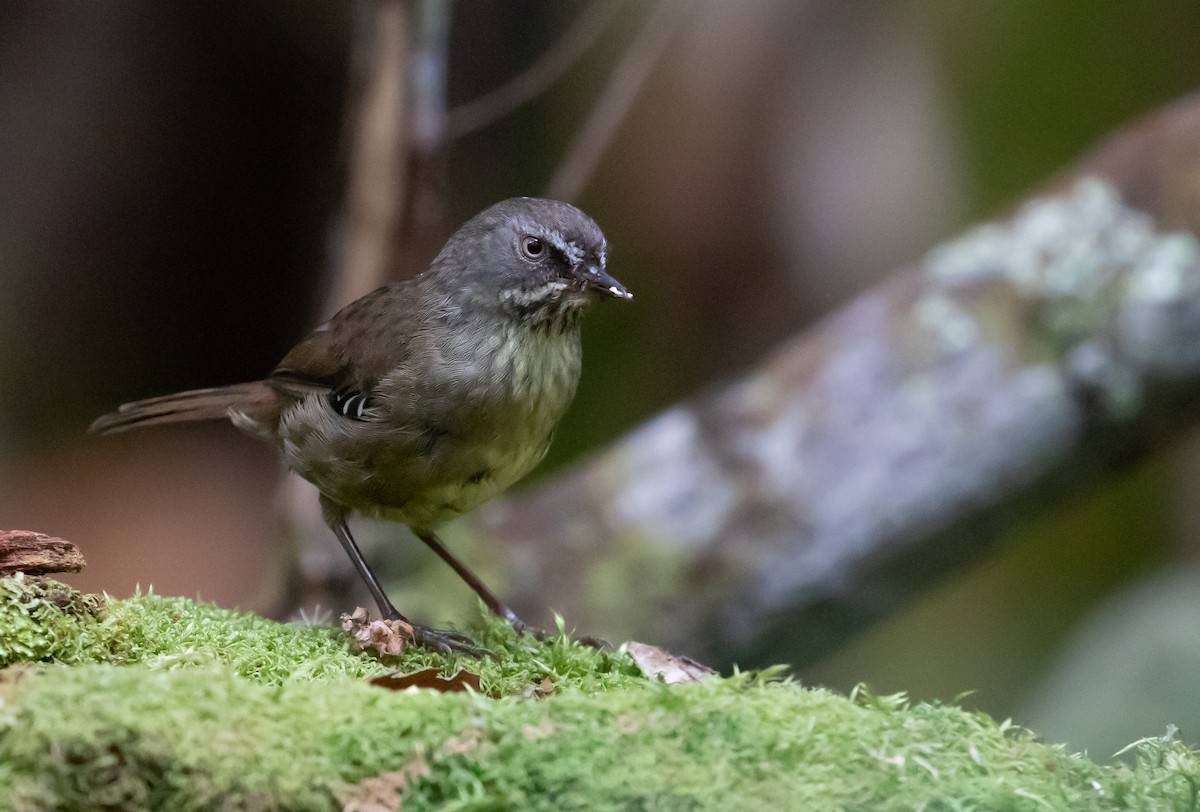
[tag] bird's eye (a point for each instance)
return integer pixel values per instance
(532, 248)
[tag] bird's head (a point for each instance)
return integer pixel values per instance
(542, 260)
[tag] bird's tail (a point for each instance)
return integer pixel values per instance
(250, 406)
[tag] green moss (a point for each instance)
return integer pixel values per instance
(43, 619)
(170, 633)
(173, 705)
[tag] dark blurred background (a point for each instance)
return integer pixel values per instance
(171, 177)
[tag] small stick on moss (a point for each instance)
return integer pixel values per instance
(37, 554)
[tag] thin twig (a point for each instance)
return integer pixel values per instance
(576, 41)
(615, 102)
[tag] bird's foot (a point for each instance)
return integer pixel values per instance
(446, 641)
(394, 632)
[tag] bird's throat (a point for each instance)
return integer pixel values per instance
(553, 307)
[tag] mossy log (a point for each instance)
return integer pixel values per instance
(163, 703)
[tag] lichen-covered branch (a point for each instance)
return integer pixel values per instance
(873, 453)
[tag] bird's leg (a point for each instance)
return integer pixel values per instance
(494, 604)
(441, 639)
(386, 609)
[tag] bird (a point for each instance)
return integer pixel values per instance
(429, 396)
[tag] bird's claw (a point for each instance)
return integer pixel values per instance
(446, 641)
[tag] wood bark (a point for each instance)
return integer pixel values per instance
(37, 554)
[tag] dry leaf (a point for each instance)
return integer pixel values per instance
(429, 678)
(385, 636)
(384, 792)
(540, 689)
(669, 668)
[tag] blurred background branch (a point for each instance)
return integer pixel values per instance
(777, 516)
(380, 122)
(379, 128)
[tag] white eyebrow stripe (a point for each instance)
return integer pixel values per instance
(574, 254)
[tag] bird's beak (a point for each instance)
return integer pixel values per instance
(596, 277)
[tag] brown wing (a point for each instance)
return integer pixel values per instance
(314, 364)
(349, 354)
